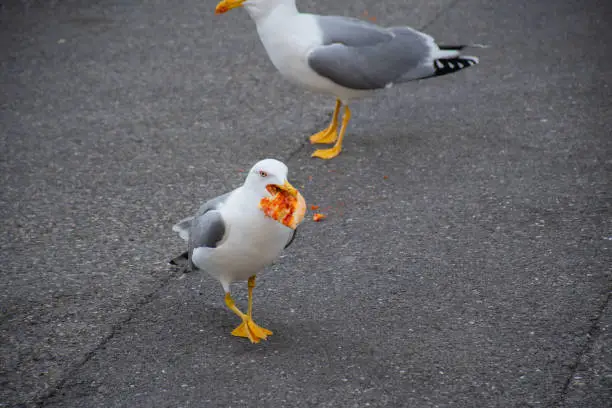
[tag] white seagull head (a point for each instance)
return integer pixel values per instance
(266, 175)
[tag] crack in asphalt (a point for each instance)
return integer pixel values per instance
(42, 400)
(592, 335)
(295, 151)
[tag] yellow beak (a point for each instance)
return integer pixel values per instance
(226, 5)
(289, 189)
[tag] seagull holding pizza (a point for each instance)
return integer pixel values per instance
(345, 57)
(234, 236)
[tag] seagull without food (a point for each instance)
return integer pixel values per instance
(344, 57)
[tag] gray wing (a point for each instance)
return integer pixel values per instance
(360, 55)
(201, 230)
(206, 230)
(182, 227)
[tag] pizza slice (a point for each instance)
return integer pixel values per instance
(283, 207)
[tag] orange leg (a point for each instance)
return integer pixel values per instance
(248, 328)
(334, 151)
(329, 134)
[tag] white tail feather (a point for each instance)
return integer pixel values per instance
(445, 54)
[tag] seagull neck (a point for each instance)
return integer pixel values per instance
(282, 9)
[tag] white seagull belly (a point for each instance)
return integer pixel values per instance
(250, 247)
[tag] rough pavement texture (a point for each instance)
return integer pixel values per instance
(465, 260)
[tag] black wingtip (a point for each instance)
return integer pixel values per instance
(180, 260)
(452, 47)
(443, 66)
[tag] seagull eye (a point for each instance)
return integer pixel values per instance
(263, 173)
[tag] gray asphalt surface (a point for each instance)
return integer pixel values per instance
(465, 260)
